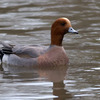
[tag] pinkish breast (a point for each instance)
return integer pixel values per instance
(56, 56)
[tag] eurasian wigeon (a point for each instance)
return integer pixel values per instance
(34, 56)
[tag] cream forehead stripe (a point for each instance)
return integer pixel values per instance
(66, 19)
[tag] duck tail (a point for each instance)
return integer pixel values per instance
(1, 55)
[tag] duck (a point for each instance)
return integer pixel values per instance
(39, 56)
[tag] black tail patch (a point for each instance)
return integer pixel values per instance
(1, 55)
(6, 50)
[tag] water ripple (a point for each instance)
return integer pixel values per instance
(28, 22)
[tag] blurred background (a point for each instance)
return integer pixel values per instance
(29, 22)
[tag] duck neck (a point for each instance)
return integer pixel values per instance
(56, 39)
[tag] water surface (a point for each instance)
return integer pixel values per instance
(28, 22)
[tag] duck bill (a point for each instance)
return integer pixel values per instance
(71, 30)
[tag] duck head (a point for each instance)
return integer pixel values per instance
(59, 28)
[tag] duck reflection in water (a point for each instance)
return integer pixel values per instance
(57, 76)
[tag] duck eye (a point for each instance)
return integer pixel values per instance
(63, 24)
